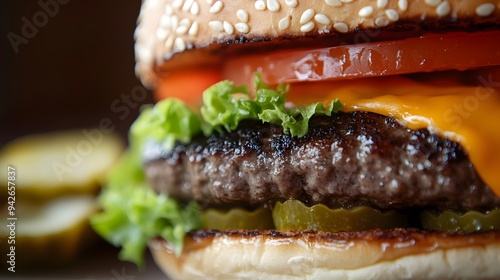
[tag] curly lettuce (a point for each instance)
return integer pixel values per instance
(132, 212)
(225, 105)
(169, 121)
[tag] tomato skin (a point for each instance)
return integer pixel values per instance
(187, 85)
(427, 53)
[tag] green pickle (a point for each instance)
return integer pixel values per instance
(469, 222)
(237, 219)
(294, 215)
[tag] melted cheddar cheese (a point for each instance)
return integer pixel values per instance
(467, 114)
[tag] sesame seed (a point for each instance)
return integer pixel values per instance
(307, 27)
(321, 18)
(392, 14)
(242, 15)
(260, 5)
(365, 11)
(382, 3)
(144, 53)
(168, 10)
(216, 25)
(291, 3)
(216, 7)
(182, 29)
(179, 44)
(228, 27)
(347, 1)
(174, 22)
(443, 9)
(485, 9)
(162, 34)
(183, 26)
(341, 27)
(193, 31)
(184, 22)
(333, 3)
(242, 27)
(403, 5)
(169, 42)
(432, 3)
(195, 9)
(306, 16)
(381, 21)
(177, 4)
(284, 23)
(273, 5)
(187, 5)
(210, 2)
(165, 21)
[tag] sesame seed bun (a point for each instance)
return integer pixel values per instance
(169, 32)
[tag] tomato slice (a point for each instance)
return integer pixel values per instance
(187, 85)
(427, 53)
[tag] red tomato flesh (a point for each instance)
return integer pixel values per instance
(427, 53)
(187, 85)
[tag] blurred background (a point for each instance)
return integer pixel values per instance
(67, 65)
(71, 70)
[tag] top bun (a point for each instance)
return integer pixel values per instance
(167, 28)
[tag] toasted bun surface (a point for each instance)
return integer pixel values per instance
(376, 254)
(167, 28)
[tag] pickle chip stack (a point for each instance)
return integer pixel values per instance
(52, 187)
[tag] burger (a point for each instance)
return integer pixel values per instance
(315, 139)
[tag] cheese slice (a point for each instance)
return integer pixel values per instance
(467, 114)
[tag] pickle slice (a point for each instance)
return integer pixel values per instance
(54, 164)
(469, 222)
(52, 232)
(237, 218)
(294, 215)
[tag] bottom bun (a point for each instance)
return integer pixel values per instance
(375, 254)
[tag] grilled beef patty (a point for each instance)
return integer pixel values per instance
(348, 159)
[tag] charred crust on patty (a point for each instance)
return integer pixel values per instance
(258, 164)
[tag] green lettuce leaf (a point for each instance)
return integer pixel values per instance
(169, 121)
(225, 105)
(133, 213)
